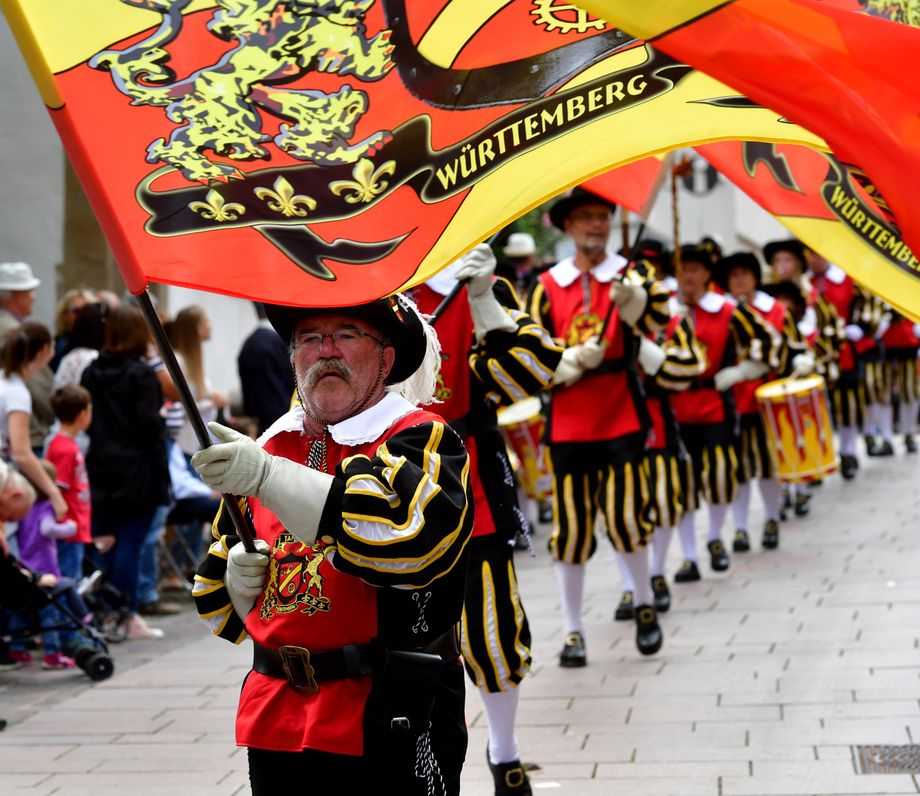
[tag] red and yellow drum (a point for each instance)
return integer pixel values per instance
(799, 429)
(521, 424)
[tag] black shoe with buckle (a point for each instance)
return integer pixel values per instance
(649, 637)
(910, 444)
(885, 448)
(741, 543)
(625, 610)
(545, 513)
(848, 467)
(770, 539)
(802, 504)
(687, 573)
(573, 652)
(718, 558)
(510, 778)
(661, 594)
(872, 446)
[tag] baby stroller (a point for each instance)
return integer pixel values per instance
(107, 603)
(20, 592)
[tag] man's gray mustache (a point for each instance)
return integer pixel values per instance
(319, 369)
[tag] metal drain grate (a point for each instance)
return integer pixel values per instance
(887, 759)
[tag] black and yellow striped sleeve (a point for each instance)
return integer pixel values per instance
(684, 361)
(212, 600)
(829, 337)
(404, 516)
(657, 313)
(512, 366)
(794, 343)
(755, 338)
(537, 307)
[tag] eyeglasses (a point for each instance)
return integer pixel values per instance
(343, 339)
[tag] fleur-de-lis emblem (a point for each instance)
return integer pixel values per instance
(283, 199)
(215, 208)
(367, 182)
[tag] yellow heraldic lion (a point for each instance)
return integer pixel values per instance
(218, 106)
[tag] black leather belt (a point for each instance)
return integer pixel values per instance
(304, 669)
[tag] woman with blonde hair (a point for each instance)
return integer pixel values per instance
(188, 332)
(25, 351)
(64, 316)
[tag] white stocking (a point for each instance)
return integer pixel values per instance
(688, 536)
(772, 494)
(741, 506)
(501, 711)
(661, 541)
(717, 514)
(571, 580)
(637, 564)
(625, 574)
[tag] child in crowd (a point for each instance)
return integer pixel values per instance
(37, 535)
(73, 408)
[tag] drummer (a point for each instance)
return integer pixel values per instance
(492, 354)
(859, 311)
(597, 420)
(670, 362)
(739, 346)
(743, 279)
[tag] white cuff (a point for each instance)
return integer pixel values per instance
(489, 315)
(296, 494)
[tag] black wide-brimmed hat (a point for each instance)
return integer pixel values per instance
(791, 245)
(695, 253)
(744, 260)
(575, 198)
(394, 317)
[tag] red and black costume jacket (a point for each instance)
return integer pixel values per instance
(684, 362)
(606, 405)
(781, 320)
(476, 378)
(727, 333)
(855, 306)
(900, 339)
(388, 567)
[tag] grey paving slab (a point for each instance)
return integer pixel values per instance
(769, 675)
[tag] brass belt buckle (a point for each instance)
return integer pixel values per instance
(296, 664)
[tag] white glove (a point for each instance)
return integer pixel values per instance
(883, 326)
(245, 576)
(853, 332)
(651, 356)
(745, 370)
(590, 353)
(803, 364)
(630, 301)
(478, 269)
(917, 330)
(296, 494)
(569, 370)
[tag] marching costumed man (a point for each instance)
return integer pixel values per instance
(901, 343)
(597, 421)
(739, 346)
(492, 355)
(670, 363)
(362, 510)
(743, 278)
(860, 313)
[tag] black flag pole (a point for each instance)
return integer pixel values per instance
(243, 529)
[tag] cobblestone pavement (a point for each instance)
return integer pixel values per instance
(770, 676)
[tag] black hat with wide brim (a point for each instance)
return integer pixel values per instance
(577, 197)
(392, 317)
(745, 260)
(791, 245)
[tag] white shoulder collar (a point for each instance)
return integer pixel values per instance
(363, 427)
(763, 301)
(835, 274)
(713, 302)
(564, 273)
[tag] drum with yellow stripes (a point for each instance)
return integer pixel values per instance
(799, 432)
(521, 425)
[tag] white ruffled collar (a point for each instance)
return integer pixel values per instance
(835, 274)
(713, 302)
(564, 273)
(763, 301)
(363, 427)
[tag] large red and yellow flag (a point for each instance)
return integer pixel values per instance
(812, 194)
(844, 69)
(634, 186)
(328, 152)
